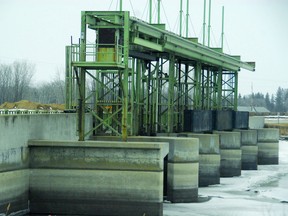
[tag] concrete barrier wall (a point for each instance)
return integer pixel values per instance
(97, 177)
(182, 166)
(16, 130)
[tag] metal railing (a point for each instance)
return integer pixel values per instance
(27, 112)
(99, 53)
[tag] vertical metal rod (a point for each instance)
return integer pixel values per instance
(125, 78)
(138, 115)
(159, 10)
(150, 11)
(187, 19)
(179, 104)
(235, 91)
(222, 34)
(121, 5)
(68, 79)
(181, 16)
(204, 22)
(219, 89)
(186, 86)
(157, 87)
(170, 119)
(209, 23)
(82, 89)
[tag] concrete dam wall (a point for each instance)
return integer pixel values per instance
(16, 130)
(45, 170)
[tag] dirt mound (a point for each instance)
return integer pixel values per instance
(25, 104)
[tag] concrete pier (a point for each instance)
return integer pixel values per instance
(249, 149)
(97, 177)
(230, 151)
(209, 158)
(182, 166)
(268, 146)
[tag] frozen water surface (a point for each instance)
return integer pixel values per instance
(262, 192)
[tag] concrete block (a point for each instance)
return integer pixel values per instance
(230, 162)
(256, 122)
(97, 155)
(240, 120)
(181, 149)
(182, 182)
(182, 152)
(14, 158)
(248, 137)
(223, 120)
(208, 143)
(268, 135)
(97, 177)
(268, 153)
(96, 192)
(198, 120)
(229, 140)
(14, 187)
(249, 157)
(209, 169)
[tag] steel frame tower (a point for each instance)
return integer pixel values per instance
(143, 77)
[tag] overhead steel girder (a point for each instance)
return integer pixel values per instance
(165, 41)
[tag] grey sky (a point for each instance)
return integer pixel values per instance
(38, 30)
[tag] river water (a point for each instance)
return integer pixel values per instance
(256, 192)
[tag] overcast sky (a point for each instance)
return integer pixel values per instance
(257, 30)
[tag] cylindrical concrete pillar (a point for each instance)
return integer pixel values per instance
(209, 158)
(268, 146)
(230, 152)
(249, 149)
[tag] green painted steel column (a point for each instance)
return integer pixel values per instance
(197, 92)
(138, 116)
(132, 98)
(68, 79)
(236, 91)
(219, 88)
(179, 97)
(155, 99)
(125, 78)
(170, 120)
(186, 87)
(82, 82)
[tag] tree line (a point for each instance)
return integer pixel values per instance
(274, 103)
(16, 84)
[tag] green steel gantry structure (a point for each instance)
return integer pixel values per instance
(138, 78)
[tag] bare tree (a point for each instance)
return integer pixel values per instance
(22, 76)
(15, 80)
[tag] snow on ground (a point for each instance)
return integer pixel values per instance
(262, 192)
